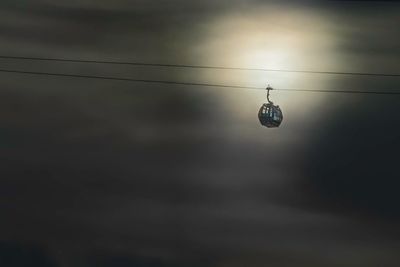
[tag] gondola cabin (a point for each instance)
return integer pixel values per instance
(270, 115)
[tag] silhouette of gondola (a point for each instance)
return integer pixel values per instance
(269, 114)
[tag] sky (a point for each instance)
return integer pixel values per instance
(111, 173)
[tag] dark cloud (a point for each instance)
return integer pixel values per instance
(99, 173)
(16, 255)
(352, 164)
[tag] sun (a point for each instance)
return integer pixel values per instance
(268, 39)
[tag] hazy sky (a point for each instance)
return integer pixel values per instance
(106, 173)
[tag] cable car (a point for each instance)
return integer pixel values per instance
(269, 114)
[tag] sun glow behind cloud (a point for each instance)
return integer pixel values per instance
(270, 38)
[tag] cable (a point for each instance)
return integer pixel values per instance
(126, 79)
(199, 67)
(192, 84)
